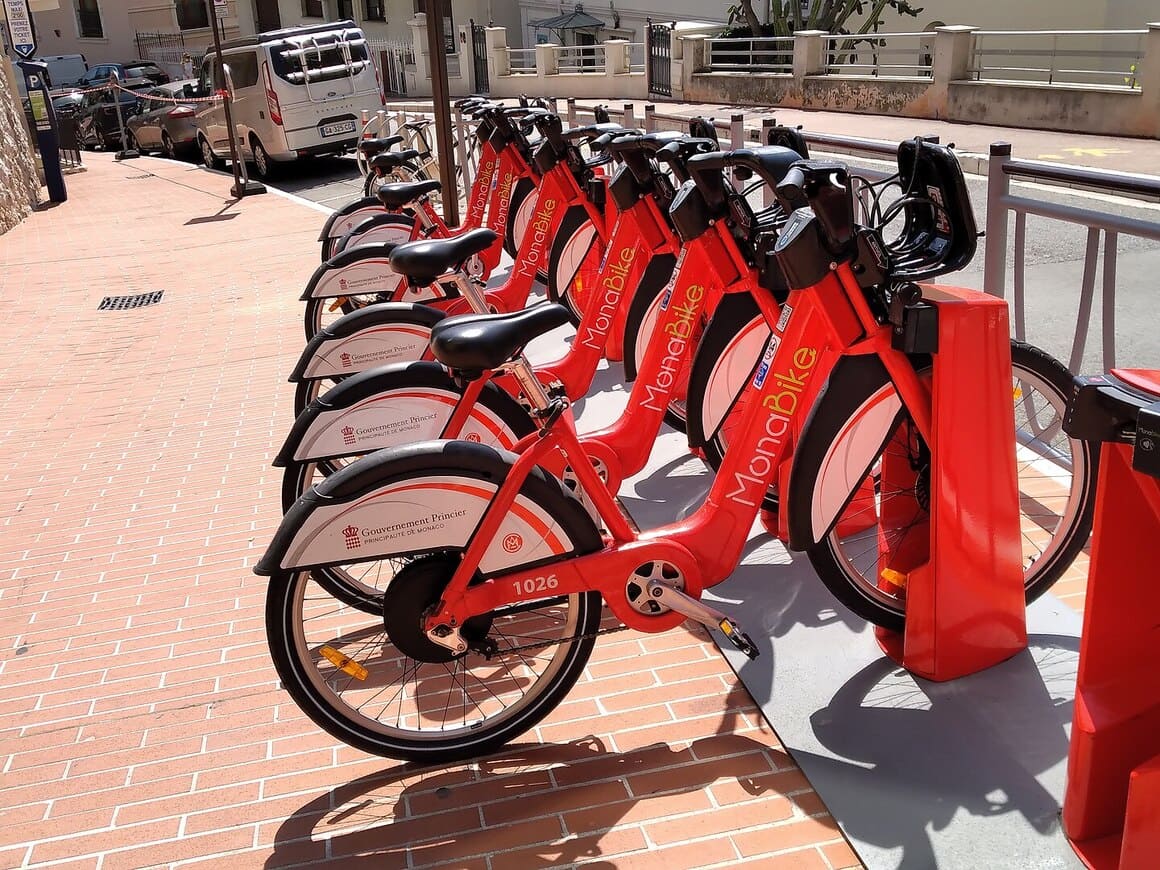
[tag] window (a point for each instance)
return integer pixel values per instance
(376, 10)
(345, 10)
(243, 69)
(192, 14)
(312, 9)
(89, 20)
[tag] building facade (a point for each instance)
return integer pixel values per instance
(117, 30)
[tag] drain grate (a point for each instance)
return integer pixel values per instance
(124, 303)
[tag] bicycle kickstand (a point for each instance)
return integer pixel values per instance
(701, 612)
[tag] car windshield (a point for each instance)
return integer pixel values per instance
(322, 58)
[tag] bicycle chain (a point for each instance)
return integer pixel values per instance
(545, 643)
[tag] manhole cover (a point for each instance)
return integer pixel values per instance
(124, 303)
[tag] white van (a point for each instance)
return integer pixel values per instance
(296, 92)
(64, 70)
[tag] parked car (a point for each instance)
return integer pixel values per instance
(163, 125)
(99, 74)
(67, 104)
(97, 122)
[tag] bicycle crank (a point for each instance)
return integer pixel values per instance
(701, 612)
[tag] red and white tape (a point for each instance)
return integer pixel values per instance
(176, 100)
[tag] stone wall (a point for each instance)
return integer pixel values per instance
(18, 182)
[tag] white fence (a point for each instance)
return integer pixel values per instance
(888, 54)
(1110, 58)
(772, 54)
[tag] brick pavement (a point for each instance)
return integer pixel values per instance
(142, 723)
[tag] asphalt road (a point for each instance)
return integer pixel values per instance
(1054, 264)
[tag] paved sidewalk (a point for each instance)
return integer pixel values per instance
(143, 725)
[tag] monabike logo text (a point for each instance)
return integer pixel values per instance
(608, 300)
(750, 482)
(677, 333)
(539, 232)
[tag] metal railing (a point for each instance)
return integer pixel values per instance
(1109, 58)
(522, 60)
(750, 54)
(1001, 201)
(909, 55)
(580, 59)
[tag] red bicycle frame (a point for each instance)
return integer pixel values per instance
(827, 321)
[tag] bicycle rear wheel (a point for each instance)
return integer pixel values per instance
(888, 512)
(376, 682)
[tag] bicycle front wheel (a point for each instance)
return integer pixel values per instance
(888, 511)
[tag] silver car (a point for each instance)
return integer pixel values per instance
(164, 125)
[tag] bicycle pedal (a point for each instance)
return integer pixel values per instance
(738, 638)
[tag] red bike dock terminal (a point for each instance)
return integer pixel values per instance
(965, 608)
(1111, 810)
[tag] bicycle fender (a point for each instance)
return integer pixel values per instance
(387, 332)
(824, 477)
(360, 269)
(387, 406)
(376, 228)
(343, 220)
(422, 498)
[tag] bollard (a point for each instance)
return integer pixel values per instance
(571, 111)
(650, 120)
(767, 195)
(126, 153)
(998, 186)
(461, 150)
(629, 118)
(736, 139)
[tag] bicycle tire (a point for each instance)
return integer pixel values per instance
(307, 632)
(849, 397)
(638, 330)
(574, 262)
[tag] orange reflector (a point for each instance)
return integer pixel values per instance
(337, 303)
(894, 578)
(344, 663)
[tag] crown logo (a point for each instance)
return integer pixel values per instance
(345, 359)
(350, 533)
(342, 283)
(348, 435)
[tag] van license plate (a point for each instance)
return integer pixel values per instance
(337, 129)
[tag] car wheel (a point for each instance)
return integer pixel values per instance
(207, 156)
(167, 147)
(262, 162)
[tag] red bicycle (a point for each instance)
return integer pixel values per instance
(495, 606)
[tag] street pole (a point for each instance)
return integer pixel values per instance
(242, 185)
(442, 106)
(126, 153)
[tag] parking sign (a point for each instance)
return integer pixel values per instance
(20, 32)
